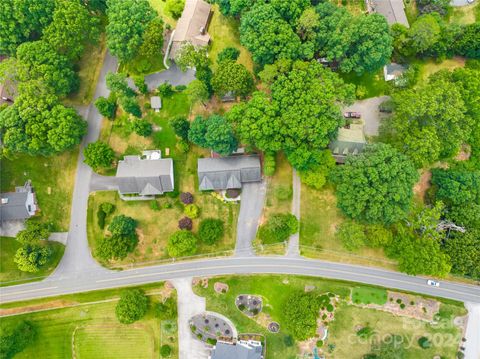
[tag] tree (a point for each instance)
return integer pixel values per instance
(301, 116)
(37, 123)
(23, 20)
(189, 56)
(232, 77)
(182, 243)
(132, 306)
(185, 223)
(214, 132)
(278, 228)
(181, 126)
(464, 252)
(376, 185)
(116, 246)
(290, 10)
(235, 7)
(424, 33)
(152, 39)
(165, 351)
(98, 154)
(210, 230)
(117, 83)
(130, 105)
(31, 257)
(228, 53)
(191, 211)
(142, 128)
(469, 43)
(106, 106)
(438, 6)
(352, 235)
(175, 8)
(123, 226)
(301, 313)
(14, 339)
(267, 36)
(307, 24)
(139, 81)
(197, 91)
(166, 309)
(37, 60)
(316, 176)
(33, 233)
(71, 28)
(456, 186)
(467, 215)
(127, 23)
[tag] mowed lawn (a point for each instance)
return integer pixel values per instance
(368, 295)
(275, 290)
(224, 33)
(318, 222)
(9, 272)
(429, 67)
(91, 330)
(53, 180)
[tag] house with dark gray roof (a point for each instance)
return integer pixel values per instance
(18, 205)
(243, 349)
(392, 10)
(143, 177)
(228, 172)
(350, 142)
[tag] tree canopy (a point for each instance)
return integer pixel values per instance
(14, 339)
(301, 313)
(376, 185)
(132, 306)
(213, 132)
(182, 243)
(98, 154)
(127, 22)
(232, 77)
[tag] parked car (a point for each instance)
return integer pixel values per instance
(433, 283)
(351, 114)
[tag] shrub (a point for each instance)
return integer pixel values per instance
(319, 343)
(182, 243)
(228, 53)
(173, 194)
(101, 215)
(132, 306)
(165, 90)
(185, 223)
(186, 198)
(241, 307)
(165, 351)
(191, 211)
(106, 107)
(361, 92)
(14, 339)
(283, 193)
(147, 106)
(154, 205)
(377, 236)
(402, 306)
(424, 343)
(211, 341)
(232, 193)
(180, 88)
(108, 207)
(142, 128)
(278, 228)
(301, 312)
(288, 340)
(175, 8)
(211, 230)
(139, 81)
(183, 146)
(269, 163)
(351, 234)
(166, 310)
(330, 308)
(181, 126)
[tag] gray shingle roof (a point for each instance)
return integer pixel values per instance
(393, 10)
(341, 149)
(238, 351)
(146, 177)
(228, 172)
(16, 206)
(156, 102)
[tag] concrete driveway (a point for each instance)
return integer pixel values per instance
(472, 345)
(173, 75)
(103, 183)
(251, 205)
(370, 113)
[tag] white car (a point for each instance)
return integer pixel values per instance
(433, 283)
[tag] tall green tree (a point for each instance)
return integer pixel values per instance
(182, 243)
(197, 91)
(214, 132)
(127, 22)
(425, 33)
(98, 154)
(307, 24)
(132, 306)
(23, 20)
(375, 186)
(290, 10)
(71, 28)
(464, 251)
(232, 77)
(31, 257)
(152, 39)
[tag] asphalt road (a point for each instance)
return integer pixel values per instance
(94, 279)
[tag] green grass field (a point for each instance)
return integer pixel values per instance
(52, 178)
(91, 331)
(10, 274)
(374, 84)
(275, 290)
(464, 15)
(368, 295)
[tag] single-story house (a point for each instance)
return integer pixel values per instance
(18, 205)
(192, 26)
(393, 10)
(228, 172)
(156, 103)
(350, 141)
(242, 349)
(393, 71)
(143, 177)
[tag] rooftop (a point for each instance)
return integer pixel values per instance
(241, 350)
(393, 10)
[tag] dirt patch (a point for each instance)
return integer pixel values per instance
(423, 185)
(464, 153)
(37, 307)
(220, 287)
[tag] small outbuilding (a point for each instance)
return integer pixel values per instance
(393, 72)
(156, 103)
(350, 142)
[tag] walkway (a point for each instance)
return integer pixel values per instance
(188, 304)
(294, 241)
(251, 207)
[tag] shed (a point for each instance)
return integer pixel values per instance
(156, 103)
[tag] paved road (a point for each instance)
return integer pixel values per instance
(93, 279)
(77, 257)
(173, 76)
(251, 207)
(370, 113)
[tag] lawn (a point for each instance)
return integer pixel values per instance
(224, 33)
(8, 268)
(143, 65)
(159, 6)
(53, 180)
(465, 15)
(373, 84)
(429, 67)
(275, 289)
(90, 330)
(356, 7)
(318, 221)
(89, 66)
(367, 295)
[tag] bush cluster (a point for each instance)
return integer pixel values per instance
(278, 228)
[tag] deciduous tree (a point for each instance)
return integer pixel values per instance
(210, 230)
(98, 154)
(232, 77)
(182, 243)
(214, 132)
(132, 306)
(31, 257)
(152, 39)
